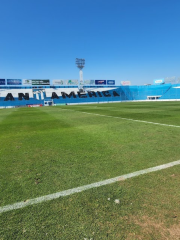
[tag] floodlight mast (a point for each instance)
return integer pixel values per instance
(80, 62)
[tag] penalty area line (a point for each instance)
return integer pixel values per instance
(68, 192)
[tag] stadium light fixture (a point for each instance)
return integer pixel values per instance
(80, 62)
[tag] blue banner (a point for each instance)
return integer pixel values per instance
(110, 82)
(2, 82)
(14, 82)
(100, 82)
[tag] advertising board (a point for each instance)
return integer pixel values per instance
(71, 82)
(34, 105)
(2, 82)
(110, 82)
(26, 82)
(88, 82)
(40, 81)
(159, 81)
(58, 82)
(100, 82)
(14, 82)
(125, 83)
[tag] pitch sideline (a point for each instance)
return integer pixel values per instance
(45, 198)
(128, 119)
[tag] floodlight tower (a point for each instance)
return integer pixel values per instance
(80, 62)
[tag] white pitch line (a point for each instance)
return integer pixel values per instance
(85, 187)
(129, 119)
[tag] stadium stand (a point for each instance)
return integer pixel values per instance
(51, 95)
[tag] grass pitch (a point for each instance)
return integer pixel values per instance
(51, 149)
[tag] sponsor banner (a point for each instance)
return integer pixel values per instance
(58, 82)
(71, 82)
(40, 81)
(100, 82)
(2, 82)
(14, 82)
(88, 82)
(125, 83)
(27, 82)
(34, 105)
(110, 82)
(159, 81)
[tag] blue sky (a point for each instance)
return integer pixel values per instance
(135, 40)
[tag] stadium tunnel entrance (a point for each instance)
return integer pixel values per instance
(48, 103)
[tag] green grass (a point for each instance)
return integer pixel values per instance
(47, 150)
